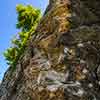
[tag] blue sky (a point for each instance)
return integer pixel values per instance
(8, 18)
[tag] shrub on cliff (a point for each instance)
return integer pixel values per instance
(28, 18)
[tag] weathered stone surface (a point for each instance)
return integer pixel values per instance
(62, 61)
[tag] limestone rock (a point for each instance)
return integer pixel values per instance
(62, 61)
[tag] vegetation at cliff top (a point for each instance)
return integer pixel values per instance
(28, 18)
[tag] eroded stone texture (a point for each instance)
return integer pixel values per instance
(62, 61)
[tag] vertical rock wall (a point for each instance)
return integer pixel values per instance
(62, 60)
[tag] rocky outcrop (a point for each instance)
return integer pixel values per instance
(61, 61)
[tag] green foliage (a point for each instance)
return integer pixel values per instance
(28, 18)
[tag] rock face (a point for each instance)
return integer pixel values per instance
(62, 61)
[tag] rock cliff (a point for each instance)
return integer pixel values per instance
(61, 61)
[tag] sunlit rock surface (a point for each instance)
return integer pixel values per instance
(62, 61)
